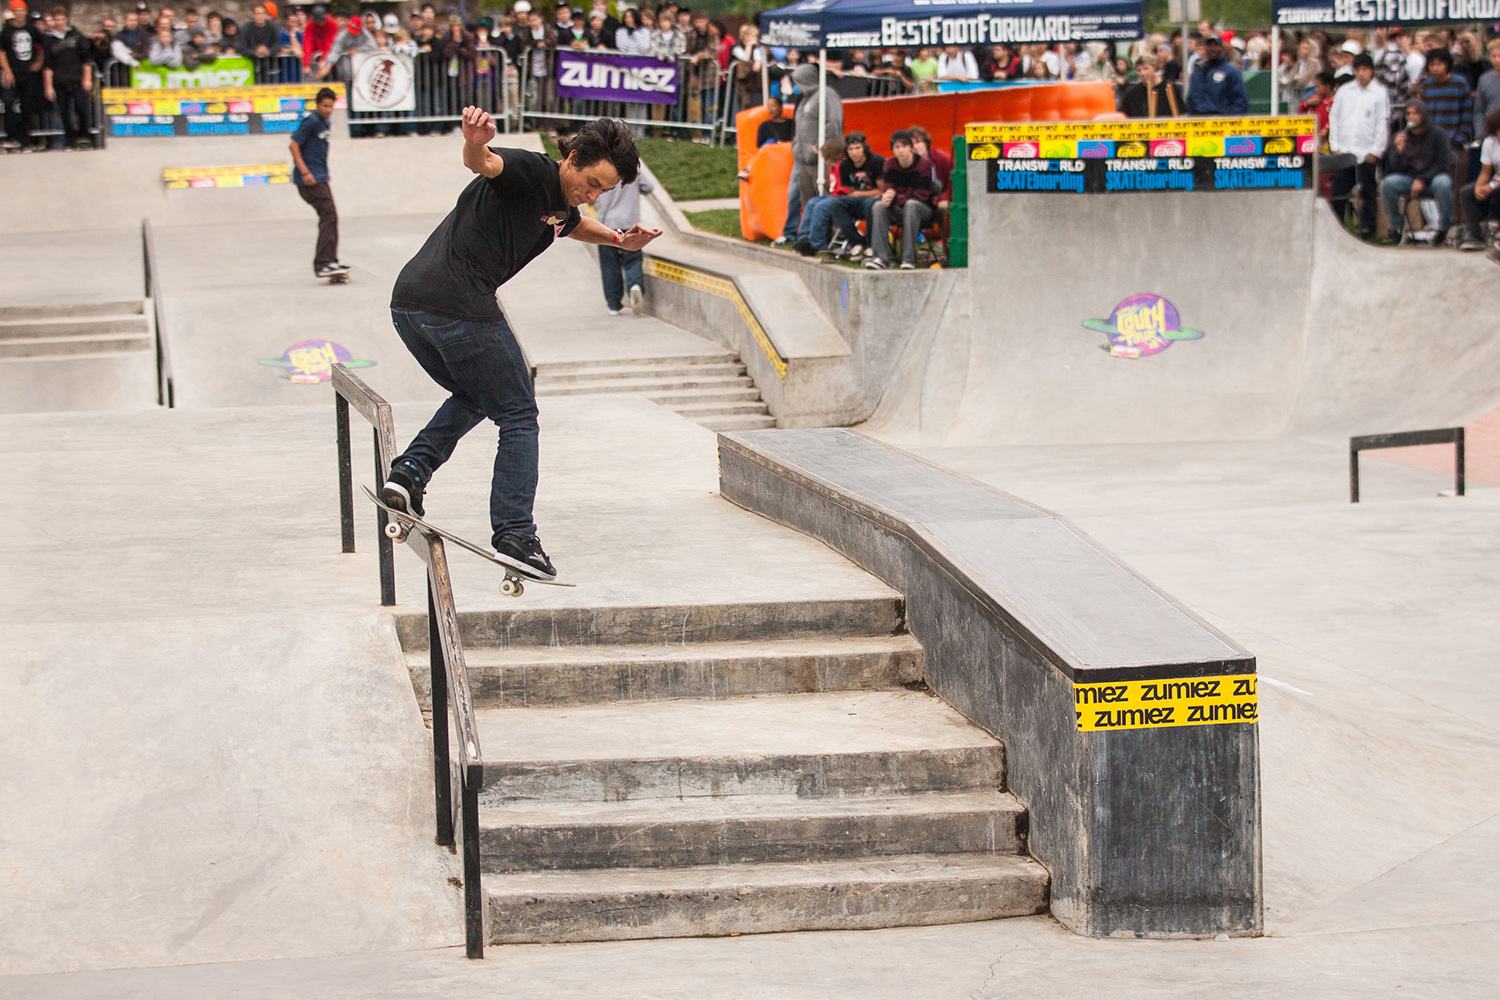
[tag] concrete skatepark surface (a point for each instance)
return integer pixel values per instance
(217, 777)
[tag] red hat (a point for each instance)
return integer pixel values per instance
(271, 8)
(17, 4)
(356, 25)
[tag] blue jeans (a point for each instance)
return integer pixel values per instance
(611, 260)
(481, 364)
(848, 209)
(1398, 186)
(793, 207)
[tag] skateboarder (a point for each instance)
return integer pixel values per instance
(310, 158)
(445, 310)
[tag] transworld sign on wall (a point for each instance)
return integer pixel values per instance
(1191, 154)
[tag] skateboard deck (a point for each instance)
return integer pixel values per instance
(341, 278)
(515, 576)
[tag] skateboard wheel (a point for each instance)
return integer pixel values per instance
(511, 588)
(393, 530)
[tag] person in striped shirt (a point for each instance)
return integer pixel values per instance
(1449, 101)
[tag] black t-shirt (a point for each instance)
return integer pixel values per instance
(66, 55)
(21, 45)
(774, 130)
(499, 226)
(863, 178)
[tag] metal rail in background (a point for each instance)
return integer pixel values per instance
(166, 394)
(1404, 439)
(451, 695)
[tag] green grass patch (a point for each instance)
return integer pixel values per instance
(720, 221)
(691, 170)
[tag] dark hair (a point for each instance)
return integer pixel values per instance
(1492, 121)
(1327, 79)
(901, 136)
(1364, 59)
(856, 136)
(604, 139)
(1440, 55)
(326, 93)
(918, 132)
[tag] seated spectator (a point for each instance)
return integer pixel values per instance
(1217, 88)
(905, 195)
(1319, 105)
(957, 64)
(164, 50)
(924, 69)
(261, 37)
(1417, 165)
(775, 128)
(942, 165)
(1358, 118)
(1479, 199)
(857, 174)
(1449, 102)
(815, 228)
(1152, 97)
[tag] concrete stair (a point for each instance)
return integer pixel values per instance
(709, 389)
(706, 770)
(77, 356)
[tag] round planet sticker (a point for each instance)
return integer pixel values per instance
(1142, 325)
(312, 361)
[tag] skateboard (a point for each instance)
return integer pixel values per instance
(339, 278)
(515, 577)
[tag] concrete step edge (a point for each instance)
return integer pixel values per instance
(634, 654)
(607, 376)
(559, 367)
(72, 310)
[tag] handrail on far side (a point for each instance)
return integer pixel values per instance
(1405, 439)
(166, 394)
(451, 695)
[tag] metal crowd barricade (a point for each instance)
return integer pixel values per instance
(49, 122)
(697, 110)
(442, 93)
(281, 69)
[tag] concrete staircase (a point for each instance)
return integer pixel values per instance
(77, 356)
(667, 772)
(709, 389)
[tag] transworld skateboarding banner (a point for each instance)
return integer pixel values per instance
(1412, 12)
(1175, 154)
(601, 76)
(212, 111)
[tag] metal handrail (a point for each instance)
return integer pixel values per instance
(165, 391)
(1406, 439)
(451, 694)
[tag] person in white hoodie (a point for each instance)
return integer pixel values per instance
(1359, 124)
(619, 208)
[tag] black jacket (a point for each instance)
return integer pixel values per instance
(1428, 152)
(1135, 101)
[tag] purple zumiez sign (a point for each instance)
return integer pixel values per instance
(601, 76)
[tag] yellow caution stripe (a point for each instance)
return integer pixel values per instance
(1139, 129)
(196, 177)
(724, 288)
(1164, 704)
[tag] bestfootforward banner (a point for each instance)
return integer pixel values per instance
(1163, 154)
(600, 76)
(1405, 12)
(860, 24)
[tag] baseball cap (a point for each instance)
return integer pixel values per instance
(522, 7)
(390, 22)
(1352, 47)
(1213, 38)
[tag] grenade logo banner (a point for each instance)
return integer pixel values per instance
(383, 82)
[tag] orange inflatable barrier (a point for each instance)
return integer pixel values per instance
(763, 196)
(945, 115)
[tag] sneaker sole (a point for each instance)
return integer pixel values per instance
(395, 495)
(527, 570)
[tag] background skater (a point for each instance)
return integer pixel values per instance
(445, 310)
(620, 210)
(310, 158)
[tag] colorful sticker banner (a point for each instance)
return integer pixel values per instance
(219, 177)
(1175, 154)
(269, 109)
(1166, 704)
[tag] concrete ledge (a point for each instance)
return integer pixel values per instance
(1147, 831)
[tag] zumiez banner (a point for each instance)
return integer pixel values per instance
(1352, 12)
(226, 71)
(845, 24)
(602, 76)
(1156, 154)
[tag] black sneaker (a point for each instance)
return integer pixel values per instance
(526, 554)
(402, 490)
(803, 247)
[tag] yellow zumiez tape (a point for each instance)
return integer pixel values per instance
(1182, 701)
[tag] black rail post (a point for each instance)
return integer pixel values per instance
(1353, 472)
(386, 547)
(473, 892)
(346, 474)
(1458, 462)
(441, 776)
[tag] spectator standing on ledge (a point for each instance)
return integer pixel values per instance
(1417, 164)
(1358, 124)
(619, 208)
(905, 193)
(68, 78)
(1482, 191)
(310, 156)
(1217, 88)
(1153, 97)
(21, 62)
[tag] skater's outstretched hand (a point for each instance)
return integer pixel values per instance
(478, 126)
(637, 236)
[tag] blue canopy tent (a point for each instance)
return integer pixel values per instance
(1367, 13)
(873, 24)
